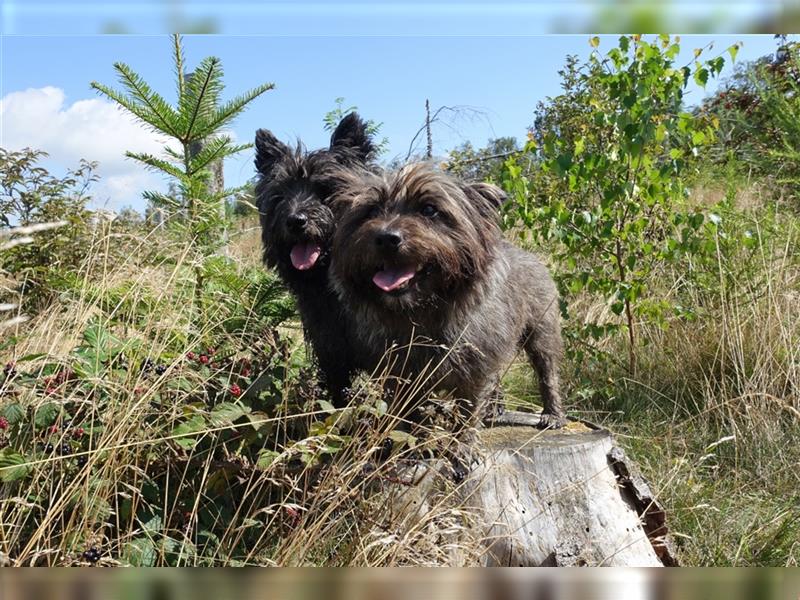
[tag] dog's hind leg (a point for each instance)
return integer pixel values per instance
(544, 347)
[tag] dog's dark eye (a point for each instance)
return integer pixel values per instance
(323, 191)
(428, 210)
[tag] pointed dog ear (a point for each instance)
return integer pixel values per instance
(489, 198)
(269, 151)
(351, 133)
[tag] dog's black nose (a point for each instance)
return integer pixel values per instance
(388, 238)
(296, 222)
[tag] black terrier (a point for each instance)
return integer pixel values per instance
(297, 226)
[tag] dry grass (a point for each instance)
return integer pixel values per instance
(712, 418)
(142, 498)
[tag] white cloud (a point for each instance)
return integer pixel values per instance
(94, 129)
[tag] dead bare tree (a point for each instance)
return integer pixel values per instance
(429, 150)
(437, 118)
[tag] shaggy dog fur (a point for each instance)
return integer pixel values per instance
(297, 224)
(420, 263)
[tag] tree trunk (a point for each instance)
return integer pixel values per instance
(543, 498)
(429, 147)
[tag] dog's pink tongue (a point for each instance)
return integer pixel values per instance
(304, 256)
(391, 279)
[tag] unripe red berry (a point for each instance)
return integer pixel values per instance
(204, 359)
(293, 516)
(3, 423)
(235, 390)
(78, 433)
(190, 355)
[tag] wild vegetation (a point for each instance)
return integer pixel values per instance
(158, 405)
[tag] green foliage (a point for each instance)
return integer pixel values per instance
(607, 191)
(338, 112)
(778, 95)
(13, 465)
(484, 164)
(30, 195)
(245, 298)
(758, 111)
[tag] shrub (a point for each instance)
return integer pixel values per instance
(30, 195)
(607, 192)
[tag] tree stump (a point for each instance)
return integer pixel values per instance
(545, 498)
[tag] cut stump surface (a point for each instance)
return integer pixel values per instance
(550, 498)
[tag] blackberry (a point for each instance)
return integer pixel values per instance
(386, 449)
(161, 369)
(147, 364)
(49, 448)
(82, 460)
(66, 449)
(91, 555)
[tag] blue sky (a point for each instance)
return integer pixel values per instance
(47, 99)
(386, 17)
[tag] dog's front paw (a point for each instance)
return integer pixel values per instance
(552, 421)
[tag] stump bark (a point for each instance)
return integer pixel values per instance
(546, 498)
